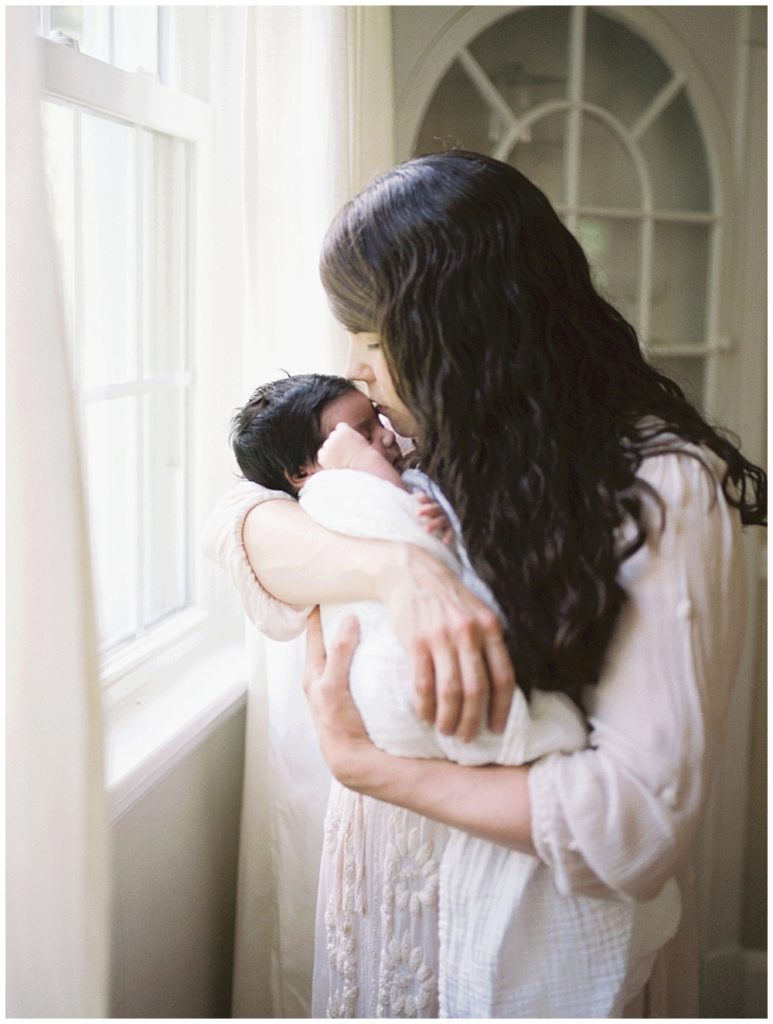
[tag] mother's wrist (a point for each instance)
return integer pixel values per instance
(357, 766)
(391, 569)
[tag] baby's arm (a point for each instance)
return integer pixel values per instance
(346, 449)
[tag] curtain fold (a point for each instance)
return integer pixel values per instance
(57, 834)
(318, 115)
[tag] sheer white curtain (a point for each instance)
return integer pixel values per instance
(57, 882)
(317, 108)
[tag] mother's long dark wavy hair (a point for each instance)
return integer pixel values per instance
(534, 404)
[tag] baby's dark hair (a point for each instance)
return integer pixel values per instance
(279, 430)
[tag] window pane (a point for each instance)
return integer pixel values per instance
(525, 55)
(673, 149)
(457, 118)
(679, 278)
(89, 26)
(688, 373)
(126, 37)
(58, 125)
(108, 251)
(623, 73)
(540, 156)
(613, 249)
(608, 176)
(135, 31)
(165, 191)
(111, 472)
(164, 505)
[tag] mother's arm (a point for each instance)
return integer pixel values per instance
(276, 553)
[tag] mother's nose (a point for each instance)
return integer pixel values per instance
(357, 368)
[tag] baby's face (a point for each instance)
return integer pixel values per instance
(357, 411)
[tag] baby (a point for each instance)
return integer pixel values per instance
(292, 428)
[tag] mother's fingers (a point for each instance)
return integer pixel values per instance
(460, 663)
(464, 677)
(423, 675)
(339, 659)
(475, 688)
(500, 669)
(333, 666)
(449, 687)
(339, 726)
(314, 664)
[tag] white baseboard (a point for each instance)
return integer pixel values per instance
(734, 983)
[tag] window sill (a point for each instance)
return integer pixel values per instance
(153, 731)
(124, 669)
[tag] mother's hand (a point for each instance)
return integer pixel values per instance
(469, 798)
(460, 662)
(342, 736)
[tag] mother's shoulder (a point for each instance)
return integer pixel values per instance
(682, 473)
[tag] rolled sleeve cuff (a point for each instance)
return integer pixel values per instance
(223, 543)
(554, 844)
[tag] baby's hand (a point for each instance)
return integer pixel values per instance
(343, 448)
(433, 519)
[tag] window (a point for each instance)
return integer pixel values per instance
(123, 152)
(131, 38)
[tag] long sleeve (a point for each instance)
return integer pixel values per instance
(223, 543)
(619, 817)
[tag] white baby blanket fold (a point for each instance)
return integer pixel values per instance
(510, 944)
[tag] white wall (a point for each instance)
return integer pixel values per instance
(174, 886)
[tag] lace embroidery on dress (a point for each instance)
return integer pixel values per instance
(407, 983)
(344, 844)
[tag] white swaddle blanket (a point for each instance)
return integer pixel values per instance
(510, 944)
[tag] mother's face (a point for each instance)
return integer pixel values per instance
(366, 363)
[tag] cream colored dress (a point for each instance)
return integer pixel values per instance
(611, 822)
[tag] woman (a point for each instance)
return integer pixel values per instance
(594, 501)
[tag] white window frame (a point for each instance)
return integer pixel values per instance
(140, 100)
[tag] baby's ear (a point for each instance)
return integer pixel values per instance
(301, 475)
